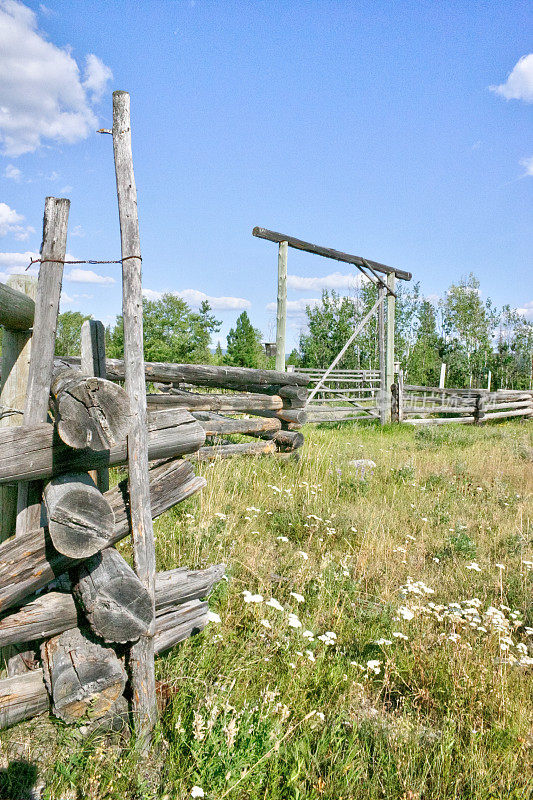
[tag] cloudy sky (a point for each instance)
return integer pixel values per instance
(396, 131)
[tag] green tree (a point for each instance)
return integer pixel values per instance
(468, 323)
(172, 332)
(511, 363)
(68, 336)
(425, 356)
(244, 345)
(218, 356)
(294, 358)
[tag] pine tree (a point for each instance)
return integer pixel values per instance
(244, 345)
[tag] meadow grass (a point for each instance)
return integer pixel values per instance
(375, 634)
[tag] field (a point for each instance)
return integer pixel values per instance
(374, 637)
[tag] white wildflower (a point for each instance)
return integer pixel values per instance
(405, 613)
(374, 666)
(474, 566)
(273, 603)
(303, 555)
(197, 791)
(266, 624)
(294, 622)
(298, 597)
(212, 616)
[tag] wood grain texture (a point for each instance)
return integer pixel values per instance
(16, 351)
(17, 308)
(240, 378)
(116, 604)
(53, 247)
(141, 660)
(30, 562)
(89, 412)
(54, 612)
(35, 452)
(80, 520)
(83, 678)
(229, 450)
(229, 403)
(93, 363)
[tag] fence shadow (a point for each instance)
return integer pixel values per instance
(18, 780)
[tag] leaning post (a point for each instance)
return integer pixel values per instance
(16, 348)
(53, 248)
(281, 317)
(389, 369)
(141, 659)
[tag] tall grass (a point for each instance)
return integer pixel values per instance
(400, 663)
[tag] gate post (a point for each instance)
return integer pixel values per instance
(389, 369)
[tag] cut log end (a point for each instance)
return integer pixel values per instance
(80, 520)
(116, 604)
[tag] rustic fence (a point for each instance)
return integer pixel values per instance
(344, 395)
(422, 405)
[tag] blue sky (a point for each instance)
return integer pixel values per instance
(369, 127)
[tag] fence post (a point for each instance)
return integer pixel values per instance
(442, 379)
(53, 250)
(479, 411)
(281, 316)
(383, 395)
(93, 363)
(389, 372)
(141, 657)
(16, 348)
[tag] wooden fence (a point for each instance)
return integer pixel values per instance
(422, 405)
(345, 395)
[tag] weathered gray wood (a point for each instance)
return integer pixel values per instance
(281, 314)
(26, 696)
(236, 403)
(83, 678)
(327, 252)
(298, 415)
(35, 452)
(179, 624)
(521, 412)
(89, 412)
(228, 450)
(440, 421)
(383, 396)
(293, 393)
(389, 362)
(93, 363)
(117, 605)
(53, 249)
(17, 308)
(240, 378)
(141, 660)
(80, 520)
(16, 349)
(52, 613)
(242, 426)
(30, 562)
(22, 697)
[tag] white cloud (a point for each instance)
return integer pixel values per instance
(77, 275)
(296, 307)
(97, 76)
(519, 84)
(41, 93)
(9, 223)
(77, 230)
(194, 297)
(336, 280)
(527, 163)
(526, 310)
(16, 263)
(13, 173)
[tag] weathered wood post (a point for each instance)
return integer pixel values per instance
(391, 310)
(383, 395)
(281, 316)
(16, 349)
(442, 379)
(141, 661)
(53, 250)
(93, 363)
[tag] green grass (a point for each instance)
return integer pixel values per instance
(254, 709)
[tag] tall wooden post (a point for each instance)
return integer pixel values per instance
(16, 348)
(141, 661)
(281, 317)
(93, 363)
(442, 378)
(383, 396)
(53, 250)
(389, 370)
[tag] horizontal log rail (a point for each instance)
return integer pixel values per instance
(236, 403)
(204, 374)
(327, 252)
(17, 310)
(30, 453)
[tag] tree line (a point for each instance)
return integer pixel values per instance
(462, 329)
